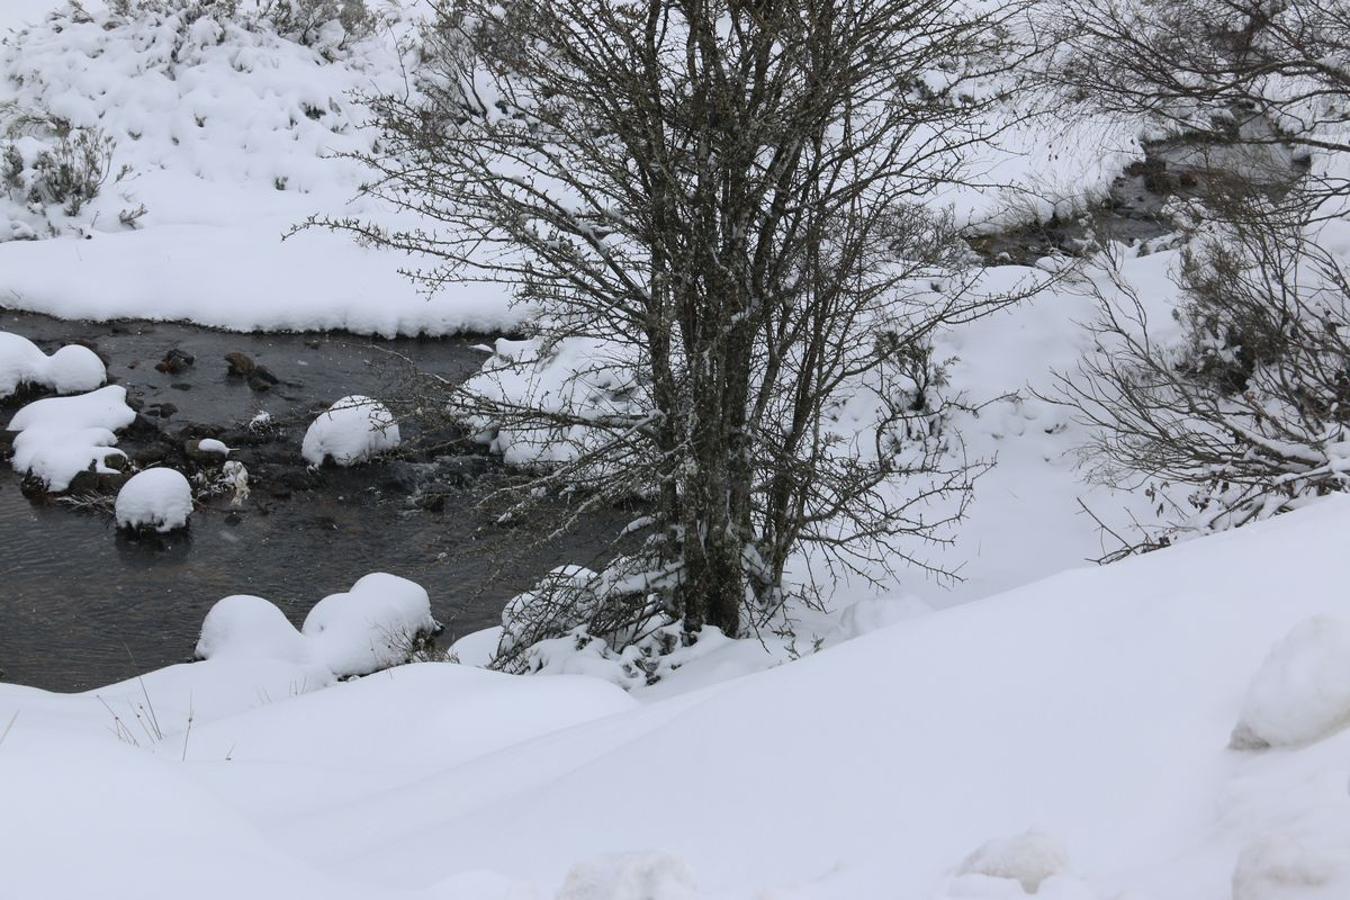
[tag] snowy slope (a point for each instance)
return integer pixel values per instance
(1094, 707)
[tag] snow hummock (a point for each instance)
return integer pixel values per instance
(373, 626)
(1028, 858)
(353, 430)
(63, 436)
(70, 370)
(247, 627)
(370, 627)
(156, 498)
(1301, 693)
(628, 876)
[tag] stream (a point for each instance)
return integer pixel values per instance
(82, 605)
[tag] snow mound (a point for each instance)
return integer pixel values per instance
(156, 498)
(353, 430)
(1301, 693)
(247, 627)
(70, 370)
(629, 876)
(872, 613)
(375, 625)
(1029, 859)
(60, 437)
(1285, 867)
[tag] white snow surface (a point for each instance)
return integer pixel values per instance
(70, 370)
(63, 436)
(230, 138)
(158, 498)
(352, 430)
(1094, 707)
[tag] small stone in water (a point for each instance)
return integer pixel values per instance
(175, 361)
(241, 364)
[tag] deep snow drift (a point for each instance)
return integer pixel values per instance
(1072, 735)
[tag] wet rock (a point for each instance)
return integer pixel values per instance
(431, 502)
(460, 471)
(150, 456)
(233, 519)
(142, 428)
(241, 364)
(161, 410)
(262, 379)
(181, 386)
(314, 344)
(402, 477)
(175, 361)
(97, 482)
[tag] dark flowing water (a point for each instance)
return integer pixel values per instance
(82, 605)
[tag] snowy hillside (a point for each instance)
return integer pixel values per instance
(1093, 709)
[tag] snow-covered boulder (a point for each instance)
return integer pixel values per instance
(353, 430)
(69, 370)
(248, 627)
(60, 437)
(1028, 858)
(1301, 693)
(375, 625)
(159, 499)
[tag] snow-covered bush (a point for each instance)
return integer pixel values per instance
(1238, 408)
(327, 25)
(61, 437)
(381, 622)
(353, 430)
(156, 499)
(71, 369)
(1302, 691)
(50, 171)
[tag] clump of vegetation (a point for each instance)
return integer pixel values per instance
(326, 25)
(48, 164)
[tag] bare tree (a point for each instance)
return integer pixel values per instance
(726, 204)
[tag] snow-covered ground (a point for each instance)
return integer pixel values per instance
(1093, 710)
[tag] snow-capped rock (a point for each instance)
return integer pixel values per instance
(1301, 693)
(60, 437)
(373, 626)
(156, 498)
(69, 370)
(247, 627)
(353, 430)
